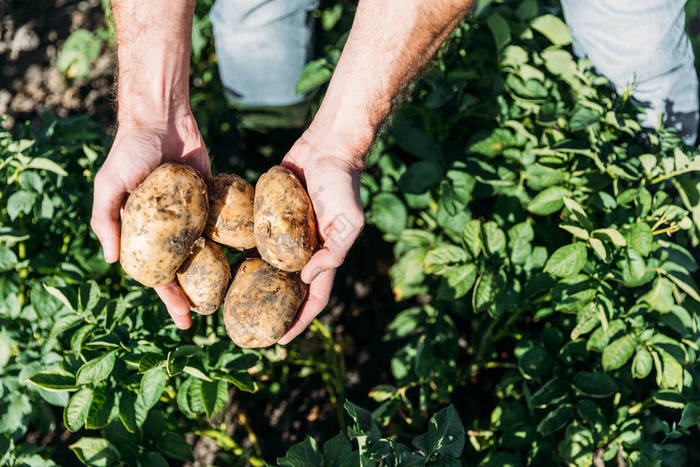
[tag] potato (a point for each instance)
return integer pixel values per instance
(285, 223)
(231, 212)
(204, 276)
(162, 218)
(261, 303)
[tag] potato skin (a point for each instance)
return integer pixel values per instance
(230, 219)
(162, 218)
(285, 223)
(204, 276)
(261, 303)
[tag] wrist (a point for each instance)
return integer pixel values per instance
(343, 130)
(152, 105)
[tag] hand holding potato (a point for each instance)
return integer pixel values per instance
(332, 178)
(136, 152)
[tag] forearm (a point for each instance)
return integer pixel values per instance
(153, 48)
(390, 41)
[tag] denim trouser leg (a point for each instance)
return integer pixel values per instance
(642, 42)
(261, 47)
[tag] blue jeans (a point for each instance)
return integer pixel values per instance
(262, 46)
(641, 42)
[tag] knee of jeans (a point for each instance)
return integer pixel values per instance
(248, 14)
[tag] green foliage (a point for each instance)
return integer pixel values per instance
(543, 249)
(77, 54)
(546, 238)
(81, 344)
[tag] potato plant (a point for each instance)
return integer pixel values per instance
(82, 347)
(548, 241)
(544, 257)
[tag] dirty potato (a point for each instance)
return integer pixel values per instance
(261, 303)
(162, 218)
(231, 212)
(285, 223)
(204, 276)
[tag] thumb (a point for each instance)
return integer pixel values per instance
(108, 197)
(340, 235)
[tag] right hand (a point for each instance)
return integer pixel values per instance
(136, 152)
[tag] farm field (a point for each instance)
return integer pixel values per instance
(524, 293)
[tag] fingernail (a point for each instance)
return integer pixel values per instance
(109, 253)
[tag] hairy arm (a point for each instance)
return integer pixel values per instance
(155, 124)
(390, 41)
(153, 47)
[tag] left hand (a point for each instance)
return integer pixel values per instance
(332, 179)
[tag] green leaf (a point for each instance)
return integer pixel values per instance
(588, 321)
(670, 399)
(64, 324)
(549, 393)
(101, 408)
(241, 379)
(214, 396)
(388, 213)
(685, 282)
(534, 363)
(97, 369)
(337, 452)
(594, 384)
(61, 296)
(582, 118)
(460, 279)
(548, 201)
(472, 236)
(8, 259)
(601, 336)
(79, 336)
(97, 452)
(611, 235)
(641, 365)
(690, 415)
(76, 411)
(196, 372)
(640, 238)
(78, 52)
(303, 454)
(53, 381)
(592, 415)
(487, 287)
(618, 352)
(132, 411)
(660, 297)
(314, 74)
(20, 201)
(555, 420)
(445, 436)
(553, 29)
(672, 373)
(499, 29)
(494, 238)
(41, 163)
(152, 459)
(152, 386)
(567, 261)
(420, 177)
(413, 139)
(437, 259)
